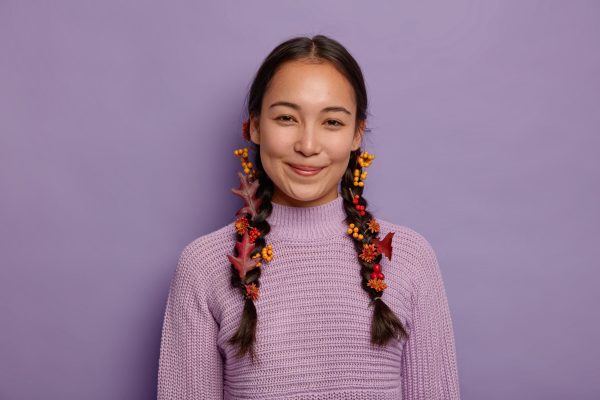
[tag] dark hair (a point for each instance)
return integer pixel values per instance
(385, 325)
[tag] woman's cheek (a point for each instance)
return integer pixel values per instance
(278, 146)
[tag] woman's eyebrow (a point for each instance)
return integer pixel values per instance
(297, 107)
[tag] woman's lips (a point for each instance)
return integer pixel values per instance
(304, 170)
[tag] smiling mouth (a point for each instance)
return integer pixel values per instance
(305, 171)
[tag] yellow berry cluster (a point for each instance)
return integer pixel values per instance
(353, 231)
(266, 254)
(358, 175)
(365, 159)
(246, 164)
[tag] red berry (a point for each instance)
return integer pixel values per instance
(362, 213)
(253, 233)
(373, 275)
(376, 268)
(380, 275)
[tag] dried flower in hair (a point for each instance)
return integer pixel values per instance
(252, 291)
(369, 252)
(246, 130)
(241, 224)
(377, 284)
(254, 233)
(385, 246)
(365, 159)
(373, 225)
(246, 164)
(243, 262)
(358, 175)
(247, 191)
(267, 253)
(353, 231)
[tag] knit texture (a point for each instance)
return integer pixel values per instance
(313, 326)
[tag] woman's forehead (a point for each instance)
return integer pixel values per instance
(309, 86)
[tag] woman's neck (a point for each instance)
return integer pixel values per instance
(279, 197)
(320, 221)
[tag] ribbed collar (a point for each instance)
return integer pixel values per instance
(322, 221)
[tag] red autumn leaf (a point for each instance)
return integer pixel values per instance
(243, 262)
(247, 191)
(385, 246)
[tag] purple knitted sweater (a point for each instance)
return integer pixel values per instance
(313, 329)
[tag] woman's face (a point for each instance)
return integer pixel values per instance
(306, 130)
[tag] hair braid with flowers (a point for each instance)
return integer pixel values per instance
(251, 249)
(364, 229)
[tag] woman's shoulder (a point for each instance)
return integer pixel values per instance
(208, 242)
(205, 254)
(412, 248)
(406, 237)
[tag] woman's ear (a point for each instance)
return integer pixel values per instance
(358, 135)
(254, 131)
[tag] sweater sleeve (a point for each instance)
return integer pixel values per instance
(190, 364)
(429, 368)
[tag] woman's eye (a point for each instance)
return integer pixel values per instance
(286, 118)
(289, 119)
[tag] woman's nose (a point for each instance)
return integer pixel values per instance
(307, 143)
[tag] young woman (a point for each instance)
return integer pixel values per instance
(306, 295)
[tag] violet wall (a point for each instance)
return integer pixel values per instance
(117, 124)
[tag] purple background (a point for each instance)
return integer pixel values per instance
(118, 120)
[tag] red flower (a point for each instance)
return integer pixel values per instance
(373, 225)
(252, 291)
(377, 284)
(241, 224)
(369, 252)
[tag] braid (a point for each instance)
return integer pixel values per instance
(384, 325)
(245, 336)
